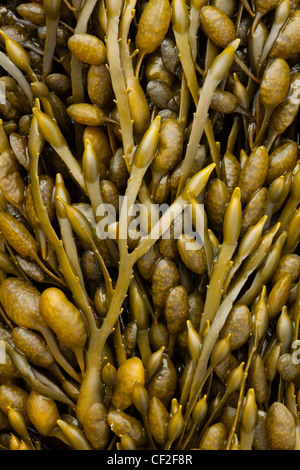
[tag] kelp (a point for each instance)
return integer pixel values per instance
(149, 225)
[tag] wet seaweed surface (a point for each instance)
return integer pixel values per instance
(124, 329)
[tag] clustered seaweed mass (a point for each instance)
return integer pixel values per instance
(148, 341)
